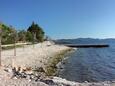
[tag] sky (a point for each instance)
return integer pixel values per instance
(62, 19)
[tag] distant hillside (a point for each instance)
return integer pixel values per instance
(85, 41)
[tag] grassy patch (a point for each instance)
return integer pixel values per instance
(11, 47)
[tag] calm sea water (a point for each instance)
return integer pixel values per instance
(89, 64)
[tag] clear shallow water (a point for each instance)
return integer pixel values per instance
(90, 64)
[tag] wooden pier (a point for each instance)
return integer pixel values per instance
(87, 45)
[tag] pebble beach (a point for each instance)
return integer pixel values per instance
(35, 56)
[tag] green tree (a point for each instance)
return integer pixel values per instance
(37, 32)
(22, 35)
(7, 34)
(29, 36)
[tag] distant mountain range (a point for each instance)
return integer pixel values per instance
(85, 41)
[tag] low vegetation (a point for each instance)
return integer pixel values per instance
(11, 47)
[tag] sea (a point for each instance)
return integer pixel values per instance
(89, 64)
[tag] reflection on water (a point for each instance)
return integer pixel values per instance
(90, 64)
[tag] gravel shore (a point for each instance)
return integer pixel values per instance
(31, 57)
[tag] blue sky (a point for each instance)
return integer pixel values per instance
(62, 18)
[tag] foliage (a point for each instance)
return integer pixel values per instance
(37, 32)
(29, 36)
(7, 34)
(11, 35)
(22, 35)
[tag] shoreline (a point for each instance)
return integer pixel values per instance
(38, 69)
(31, 56)
(51, 68)
(31, 60)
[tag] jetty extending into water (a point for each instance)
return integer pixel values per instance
(87, 45)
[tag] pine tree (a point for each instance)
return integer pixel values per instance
(37, 31)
